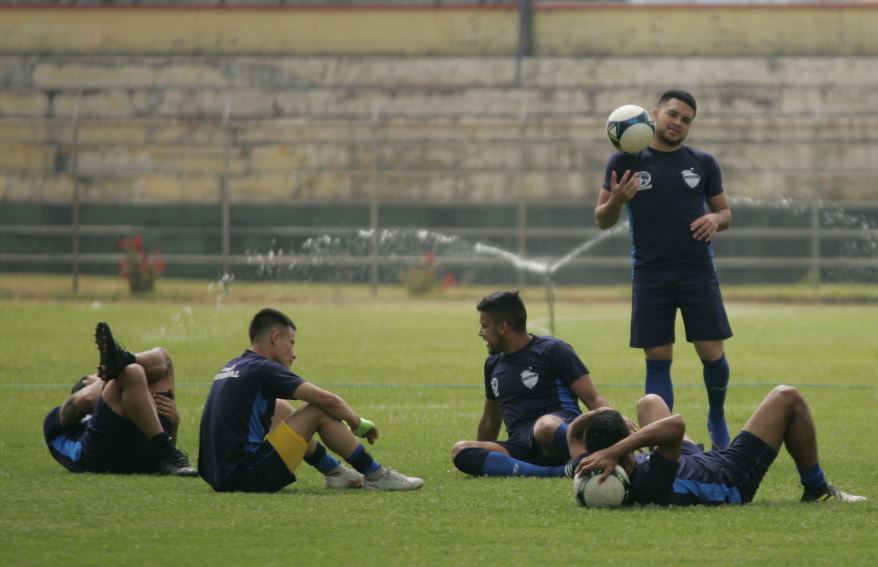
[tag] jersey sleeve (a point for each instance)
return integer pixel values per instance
(566, 363)
(489, 370)
(714, 185)
(280, 382)
(612, 165)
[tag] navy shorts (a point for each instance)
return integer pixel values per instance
(694, 290)
(522, 446)
(107, 442)
(264, 471)
(739, 468)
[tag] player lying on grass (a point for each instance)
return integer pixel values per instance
(677, 472)
(121, 420)
(533, 385)
(252, 440)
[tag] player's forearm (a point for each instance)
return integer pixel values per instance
(70, 413)
(666, 431)
(607, 214)
(724, 219)
(487, 430)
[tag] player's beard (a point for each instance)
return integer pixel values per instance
(663, 137)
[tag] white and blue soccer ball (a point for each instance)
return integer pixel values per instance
(630, 128)
(615, 491)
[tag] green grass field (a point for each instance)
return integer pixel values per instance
(414, 367)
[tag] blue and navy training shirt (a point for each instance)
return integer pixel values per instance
(673, 190)
(533, 382)
(238, 412)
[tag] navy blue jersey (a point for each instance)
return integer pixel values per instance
(672, 193)
(238, 412)
(533, 382)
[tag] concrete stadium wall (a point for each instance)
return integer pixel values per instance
(560, 29)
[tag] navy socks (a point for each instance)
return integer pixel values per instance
(658, 380)
(716, 380)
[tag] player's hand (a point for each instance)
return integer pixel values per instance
(626, 188)
(704, 227)
(167, 407)
(602, 460)
(367, 430)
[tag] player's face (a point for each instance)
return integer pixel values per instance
(490, 333)
(284, 346)
(672, 122)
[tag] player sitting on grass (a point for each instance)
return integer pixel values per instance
(251, 439)
(533, 385)
(677, 472)
(122, 420)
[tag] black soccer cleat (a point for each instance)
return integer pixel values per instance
(114, 357)
(828, 493)
(177, 464)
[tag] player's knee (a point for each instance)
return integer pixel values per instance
(458, 447)
(651, 402)
(470, 460)
(165, 356)
(544, 429)
(789, 394)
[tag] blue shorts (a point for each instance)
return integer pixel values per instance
(725, 476)
(106, 442)
(263, 471)
(522, 446)
(694, 290)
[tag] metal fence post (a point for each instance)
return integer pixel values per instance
(525, 36)
(225, 194)
(815, 242)
(75, 212)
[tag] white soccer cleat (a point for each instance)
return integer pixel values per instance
(393, 480)
(831, 493)
(343, 477)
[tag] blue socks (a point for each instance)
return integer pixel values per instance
(481, 462)
(362, 461)
(812, 478)
(321, 460)
(716, 379)
(560, 439)
(658, 380)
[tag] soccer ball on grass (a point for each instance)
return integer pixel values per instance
(613, 492)
(630, 128)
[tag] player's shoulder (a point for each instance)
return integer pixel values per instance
(701, 156)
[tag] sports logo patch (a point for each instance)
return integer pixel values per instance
(644, 180)
(495, 386)
(691, 178)
(529, 378)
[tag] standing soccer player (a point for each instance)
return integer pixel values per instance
(674, 197)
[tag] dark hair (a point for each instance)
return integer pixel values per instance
(266, 319)
(505, 306)
(605, 429)
(680, 95)
(78, 385)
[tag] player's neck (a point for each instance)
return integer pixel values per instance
(517, 342)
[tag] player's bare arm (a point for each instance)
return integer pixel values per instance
(489, 424)
(717, 220)
(334, 405)
(585, 390)
(610, 202)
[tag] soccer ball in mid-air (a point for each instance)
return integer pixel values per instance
(630, 128)
(613, 492)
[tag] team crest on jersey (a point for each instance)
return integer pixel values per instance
(691, 178)
(529, 378)
(495, 386)
(644, 180)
